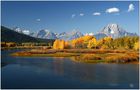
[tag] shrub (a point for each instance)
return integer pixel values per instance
(90, 57)
(121, 58)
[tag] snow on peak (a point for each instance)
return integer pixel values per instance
(115, 31)
(27, 32)
(46, 34)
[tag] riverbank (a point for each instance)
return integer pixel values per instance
(26, 47)
(85, 55)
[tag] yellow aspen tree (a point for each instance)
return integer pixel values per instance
(66, 45)
(61, 44)
(92, 43)
(55, 44)
(136, 46)
(73, 43)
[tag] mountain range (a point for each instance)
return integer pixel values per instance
(112, 30)
(8, 35)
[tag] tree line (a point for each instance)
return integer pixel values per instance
(14, 44)
(90, 42)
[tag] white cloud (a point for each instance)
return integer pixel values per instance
(73, 15)
(112, 10)
(38, 20)
(81, 14)
(97, 13)
(131, 7)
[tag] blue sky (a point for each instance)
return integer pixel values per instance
(64, 16)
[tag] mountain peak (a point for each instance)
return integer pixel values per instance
(46, 30)
(112, 25)
(45, 33)
(115, 31)
(23, 31)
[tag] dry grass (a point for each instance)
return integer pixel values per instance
(21, 54)
(90, 57)
(41, 51)
(123, 58)
(108, 58)
(85, 55)
(96, 51)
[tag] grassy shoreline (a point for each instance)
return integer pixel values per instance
(45, 55)
(85, 55)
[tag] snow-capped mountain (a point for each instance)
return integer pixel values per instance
(27, 32)
(114, 31)
(90, 34)
(74, 34)
(71, 35)
(46, 34)
(63, 34)
(19, 30)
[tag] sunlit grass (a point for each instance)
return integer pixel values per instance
(86, 55)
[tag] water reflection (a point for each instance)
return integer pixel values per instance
(64, 71)
(83, 72)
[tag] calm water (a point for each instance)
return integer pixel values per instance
(60, 73)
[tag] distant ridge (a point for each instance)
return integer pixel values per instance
(46, 34)
(8, 35)
(112, 30)
(71, 35)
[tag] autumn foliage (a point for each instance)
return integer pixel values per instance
(83, 42)
(90, 42)
(59, 44)
(136, 45)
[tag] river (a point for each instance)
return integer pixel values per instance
(63, 73)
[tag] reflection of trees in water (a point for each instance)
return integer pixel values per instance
(73, 70)
(95, 72)
(64, 67)
(58, 66)
(88, 72)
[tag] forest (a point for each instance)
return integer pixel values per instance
(90, 42)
